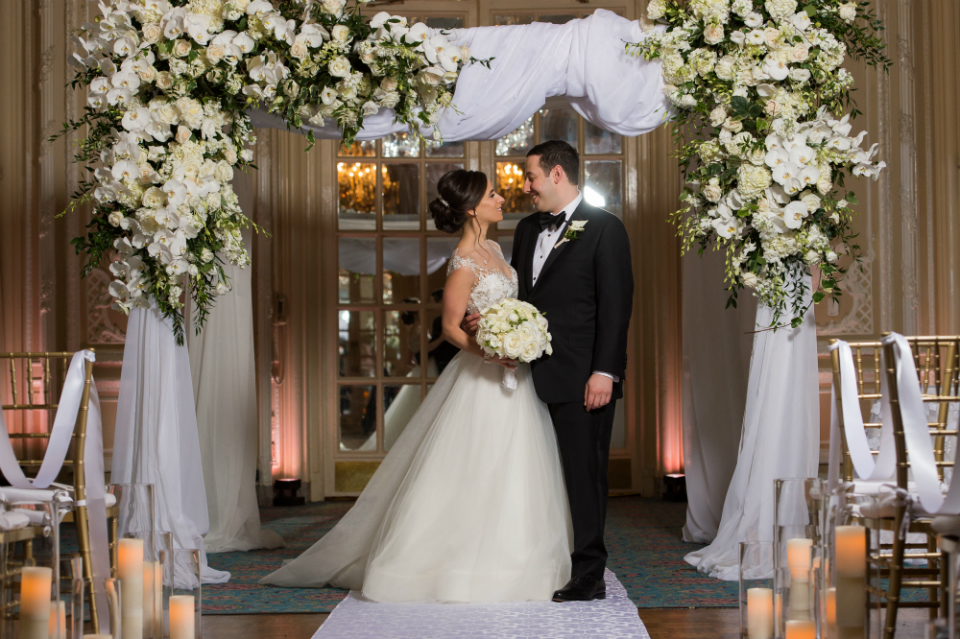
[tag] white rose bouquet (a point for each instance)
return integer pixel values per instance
(515, 330)
(762, 123)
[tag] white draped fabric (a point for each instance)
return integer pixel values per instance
(780, 439)
(583, 60)
(716, 365)
(156, 439)
(225, 390)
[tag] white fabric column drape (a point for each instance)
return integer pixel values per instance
(780, 439)
(716, 363)
(156, 439)
(224, 385)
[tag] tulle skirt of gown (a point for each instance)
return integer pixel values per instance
(468, 506)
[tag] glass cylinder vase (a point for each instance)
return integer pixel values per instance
(799, 514)
(796, 595)
(756, 590)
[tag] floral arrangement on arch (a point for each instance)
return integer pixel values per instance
(169, 83)
(762, 124)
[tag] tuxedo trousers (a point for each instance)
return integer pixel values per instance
(584, 441)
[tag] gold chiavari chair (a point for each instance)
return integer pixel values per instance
(936, 359)
(34, 383)
(936, 362)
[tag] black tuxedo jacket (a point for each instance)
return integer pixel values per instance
(585, 289)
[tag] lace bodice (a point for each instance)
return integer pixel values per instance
(491, 285)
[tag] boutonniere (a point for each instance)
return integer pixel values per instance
(573, 232)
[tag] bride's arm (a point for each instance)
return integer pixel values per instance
(456, 296)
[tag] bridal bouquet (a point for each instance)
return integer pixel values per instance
(515, 330)
(169, 84)
(763, 111)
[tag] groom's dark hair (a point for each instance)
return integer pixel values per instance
(558, 153)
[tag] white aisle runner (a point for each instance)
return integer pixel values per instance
(612, 618)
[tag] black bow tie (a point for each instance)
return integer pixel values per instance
(549, 219)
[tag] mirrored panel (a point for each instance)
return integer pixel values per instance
(518, 141)
(401, 270)
(559, 124)
(513, 18)
(401, 343)
(401, 145)
(357, 343)
(401, 197)
(358, 196)
(400, 403)
(444, 22)
(444, 149)
(599, 141)
(435, 171)
(603, 185)
(439, 250)
(367, 148)
(358, 418)
(517, 204)
(357, 259)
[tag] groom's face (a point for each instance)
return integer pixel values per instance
(539, 185)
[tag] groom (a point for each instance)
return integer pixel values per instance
(583, 281)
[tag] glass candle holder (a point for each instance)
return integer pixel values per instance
(756, 590)
(77, 610)
(182, 593)
(799, 514)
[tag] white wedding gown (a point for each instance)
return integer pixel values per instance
(469, 505)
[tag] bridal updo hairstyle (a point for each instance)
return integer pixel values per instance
(459, 191)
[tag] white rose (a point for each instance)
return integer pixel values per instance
(712, 191)
(713, 34)
(848, 11)
(370, 108)
(339, 67)
(164, 81)
(152, 32)
(656, 9)
(340, 34)
(147, 73)
(811, 257)
(799, 75)
(513, 345)
(213, 200)
(299, 50)
(390, 100)
(772, 37)
(718, 116)
(115, 218)
(733, 125)
(181, 48)
(811, 200)
(223, 172)
(799, 53)
(750, 280)
(153, 198)
(825, 181)
(333, 7)
(206, 255)
(183, 134)
(215, 53)
(725, 68)
(389, 84)
(246, 155)
(166, 113)
(530, 351)
(230, 155)
(831, 256)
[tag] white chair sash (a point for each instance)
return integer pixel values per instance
(866, 467)
(63, 425)
(917, 433)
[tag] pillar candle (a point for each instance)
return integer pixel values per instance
(58, 620)
(759, 613)
(181, 617)
(801, 630)
(35, 583)
(851, 543)
(97, 637)
(130, 573)
(799, 552)
(831, 606)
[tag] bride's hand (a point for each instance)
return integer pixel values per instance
(506, 362)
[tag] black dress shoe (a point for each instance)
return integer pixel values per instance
(582, 589)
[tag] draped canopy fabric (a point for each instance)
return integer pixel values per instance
(583, 60)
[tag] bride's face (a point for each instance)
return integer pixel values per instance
(489, 210)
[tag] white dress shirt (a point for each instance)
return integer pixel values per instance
(548, 239)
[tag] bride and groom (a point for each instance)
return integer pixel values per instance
(491, 495)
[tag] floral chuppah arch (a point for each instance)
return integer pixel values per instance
(169, 85)
(760, 86)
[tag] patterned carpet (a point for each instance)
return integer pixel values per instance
(643, 537)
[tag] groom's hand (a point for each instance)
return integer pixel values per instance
(598, 392)
(469, 324)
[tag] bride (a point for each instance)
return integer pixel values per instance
(470, 504)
